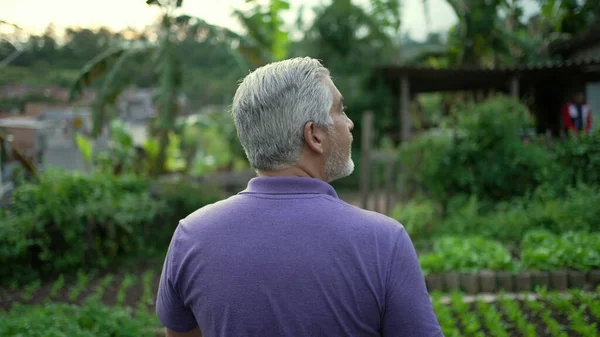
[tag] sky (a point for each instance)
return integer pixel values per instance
(35, 15)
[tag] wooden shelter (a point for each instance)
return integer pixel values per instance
(549, 84)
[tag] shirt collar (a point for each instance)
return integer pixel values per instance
(288, 185)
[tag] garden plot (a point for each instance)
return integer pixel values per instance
(543, 313)
(551, 314)
(135, 288)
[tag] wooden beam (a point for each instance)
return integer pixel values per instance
(406, 126)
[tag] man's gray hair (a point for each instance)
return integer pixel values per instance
(273, 104)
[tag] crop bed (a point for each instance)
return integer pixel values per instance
(135, 288)
(542, 313)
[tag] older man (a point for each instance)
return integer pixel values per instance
(287, 257)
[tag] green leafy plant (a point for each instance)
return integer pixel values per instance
(445, 318)
(58, 320)
(577, 161)
(96, 296)
(128, 281)
(481, 154)
(417, 216)
(458, 316)
(85, 147)
(147, 291)
(57, 286)
(30, 290)
(466, 254)
(509, 221)
(82, 281)
(543, 250)
(493, 319)
(70, 220)
(518, 318)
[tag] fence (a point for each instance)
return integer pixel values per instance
(380, 172)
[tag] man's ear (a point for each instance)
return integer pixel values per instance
(314, 137)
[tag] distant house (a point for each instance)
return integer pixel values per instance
(45, 131)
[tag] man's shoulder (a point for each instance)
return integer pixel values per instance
(219, 207)
(365, 217)
(323, 207)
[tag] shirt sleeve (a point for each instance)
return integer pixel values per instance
(408, 309)
(170, 306)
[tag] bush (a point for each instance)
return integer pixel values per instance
(71, 220)
(481, 154)
(575, 210)
(182, 197)
(539, 250)
(419, 217)
(465, 255)
(577, 161)
(58, 320)
(542, 250)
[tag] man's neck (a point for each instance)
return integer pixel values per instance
(293, 171)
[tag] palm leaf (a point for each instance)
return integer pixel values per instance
(94, 70)
(255, 31)
(114, 82)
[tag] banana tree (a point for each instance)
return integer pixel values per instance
(571, 16)
(266, 38)
(488, 33)
(15, 48)
(114, 71)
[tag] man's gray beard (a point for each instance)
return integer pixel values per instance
(338, 165)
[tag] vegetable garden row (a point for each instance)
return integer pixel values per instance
(476, 264)
(554, 314)
(132, 294)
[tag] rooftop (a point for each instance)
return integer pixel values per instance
(24, 123)
(429, 79)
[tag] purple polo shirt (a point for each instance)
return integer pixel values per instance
(287, 257)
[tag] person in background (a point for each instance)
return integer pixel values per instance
(577, 115)
(286, 256)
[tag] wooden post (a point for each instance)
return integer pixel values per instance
(390, 185)
(376, 185)
(365, 163)
(514, 87)
(405, 108)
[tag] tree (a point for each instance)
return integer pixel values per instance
(489, 33)
(9, 48)
(113, 68)
(571, 16)
(266, 39)
(351, 40)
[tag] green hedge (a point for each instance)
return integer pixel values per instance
(576, 160)
(574, 210)
(480, 153)
(539, 250)
(69, 221)
(466, 255)
(542, 250)
(61, 320)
